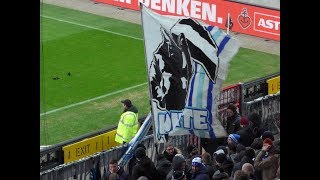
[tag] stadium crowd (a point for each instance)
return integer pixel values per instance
(250, 152)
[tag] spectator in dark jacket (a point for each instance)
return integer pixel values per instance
(223, 164)
(232, 142)
(193, 152)
(240, 151)
(199, 170)
(220, 149)
(256, 145)
(163, 166)
(257, 127)
(179, 164)
(170, 151)
(179, 175)
(206, 159)
(245, 132)
(247, 158)
(233, 119)
(115, 168)
(144, 166)
(133, 161)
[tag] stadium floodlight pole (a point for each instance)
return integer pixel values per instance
(228, 23)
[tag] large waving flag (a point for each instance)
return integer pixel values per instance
(187, 62)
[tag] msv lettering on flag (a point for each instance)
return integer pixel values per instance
(187, 62)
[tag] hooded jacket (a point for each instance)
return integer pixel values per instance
(233, 123)
(128, 125)
(144, 167)
(176, 165)
(201, 174)
(163, 167)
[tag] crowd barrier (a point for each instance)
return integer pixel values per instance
(81, 169)
(268, 107)
(248, 97)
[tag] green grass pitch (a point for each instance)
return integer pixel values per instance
(104, 56)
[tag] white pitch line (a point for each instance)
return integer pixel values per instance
(61, 20)
(89, 100)
(72, 105)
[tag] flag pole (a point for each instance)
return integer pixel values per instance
(156, 142)
(228, 23)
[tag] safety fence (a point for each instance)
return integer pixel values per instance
(268, 107)
(52, 156)
(248, 97)
(97, 164)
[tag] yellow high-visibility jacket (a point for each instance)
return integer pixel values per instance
(127, 127)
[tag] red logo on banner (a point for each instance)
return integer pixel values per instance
(267, 23)
(243, 19)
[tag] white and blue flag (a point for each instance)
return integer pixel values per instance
(187, 62)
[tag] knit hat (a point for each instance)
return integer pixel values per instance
(224, 148)
(267, 134)
(218, 152)
(177, 160)
(178, 175)
(220, 158)
(196, 161)
(140, 152)
(244, 121)
(268, 141)
(127, 102)
(235, 138)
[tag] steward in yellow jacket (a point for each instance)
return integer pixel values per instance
(128, 124)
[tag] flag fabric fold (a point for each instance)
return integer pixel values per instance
(187, 62)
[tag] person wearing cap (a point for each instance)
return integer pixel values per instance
(232, 142)
(199, 170)
(245, 132)
(223, 164)
(128, 124)
(268, 166)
